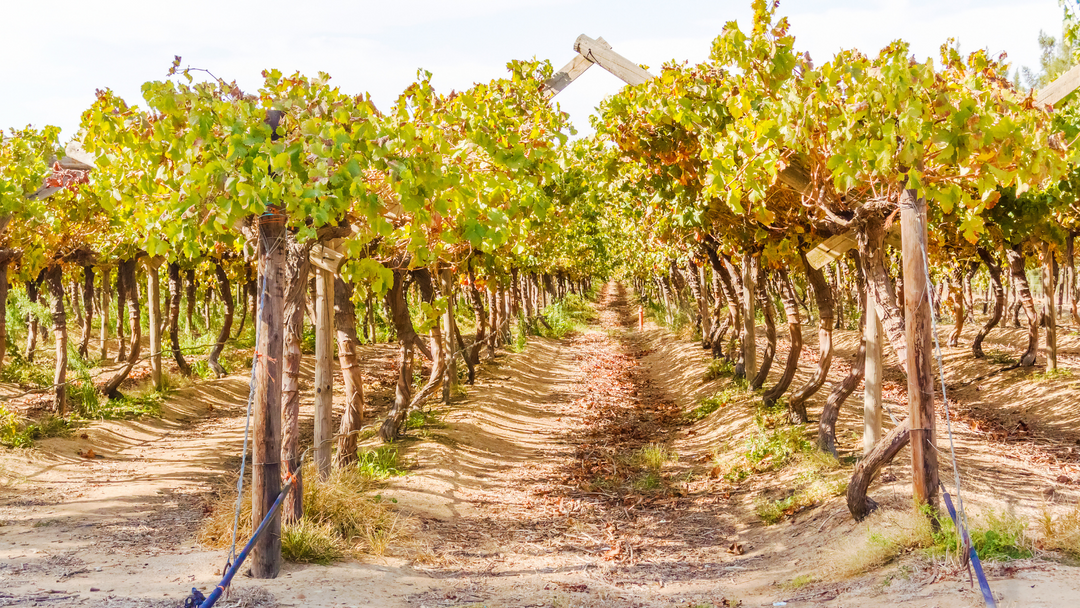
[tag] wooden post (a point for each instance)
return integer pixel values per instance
(3, 309)
(266, 455)
(154, 310)
(872, 393)
(1049, 290)
(324, 376)
(451, 344)
(920, 348)
(105, 291)
(749, 343)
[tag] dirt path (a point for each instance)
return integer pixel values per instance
(540, 496)
(566, 477)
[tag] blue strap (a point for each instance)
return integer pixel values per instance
(984, 586)
(196, 599)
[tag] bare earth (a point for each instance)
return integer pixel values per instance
(509, 503)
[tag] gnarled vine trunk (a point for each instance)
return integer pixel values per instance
(352, 419)
(189, 301)
(859, 504)
(402, 320)
(1015, 255)
(956, 304)
(824, 300)
(844, 388)
(55, 279)
(121, 313)
(761, 289)
(994, 271)
(173, 271)
(88, 318)
(125, 275)
(723, 277)
(296, 279)
(226, 325)
(794, 323)
(32, 288)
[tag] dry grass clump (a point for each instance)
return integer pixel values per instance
(889, 535)
(340, 520)
(1061, 533)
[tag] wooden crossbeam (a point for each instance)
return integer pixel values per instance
(570, 72)
(833, 247)
(326, 258)
(602, 55)
(598, 51)
(1061, 88)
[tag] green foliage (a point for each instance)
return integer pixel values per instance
(1052, 374)
(307, 340)
(308, 542)
(27, 374)
(996, 536)
(1000, 357)
(653, 456)
(710, 404)
(341, 518)
(772, 512)
(773, 448)
(648, 481)
(718, 368)
(18, 433)
(201, 368)
(565, 316)
(798, 582)
(380, 463)
(20, 308)
(423, 419)
(521, 336)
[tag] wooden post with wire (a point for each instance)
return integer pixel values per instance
(749, 345)
(326, 262)
(266, 423)
(920, 348)
(154, 311)
(446, 279)
(266, 406)
(872, 412)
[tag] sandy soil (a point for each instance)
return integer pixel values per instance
(515, 499)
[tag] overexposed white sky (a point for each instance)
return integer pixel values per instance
(57, 52)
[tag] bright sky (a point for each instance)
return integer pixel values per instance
(57, 52)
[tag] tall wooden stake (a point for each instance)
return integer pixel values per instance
(1049, 290)
(872, 377)
(447, 279)
(105, 291)
(920, 348)
(266, 455)
(154, 310)
(749, 343)
(324, 377)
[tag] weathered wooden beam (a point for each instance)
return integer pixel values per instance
(326, 258)
(1061, 88)
(602, 55)
(833, 247)
(570, 72)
